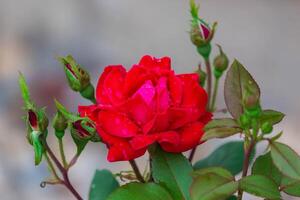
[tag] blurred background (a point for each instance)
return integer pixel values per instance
(262, 34)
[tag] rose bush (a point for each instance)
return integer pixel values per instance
(148, 104)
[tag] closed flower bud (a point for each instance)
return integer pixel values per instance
(244, 121)
(221, 63)
(60, 124)
(251, 101)
(77, 77)
(202, 75)
(201, 33)
(266, 128)
(83, 130)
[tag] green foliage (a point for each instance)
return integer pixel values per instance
(213, 186)
(271, 116)
(263, 165)
(139, 191)
(103, 184)
(238, 84)
(261, 186)
(173, 171)
(229, 156)
(221, 128)
(286, 160)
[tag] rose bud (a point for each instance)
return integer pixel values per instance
(78, 78)
(252, 104)
(60, 124)
(36, 122)
(201, 33)
(202, 75)
(82, 131)
(221, 63)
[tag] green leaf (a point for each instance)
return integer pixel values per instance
(103, 184)
(211, 186)
(221, 128)
(232, 198)
(229, 156)
(260, 186)
(271, 116)
(291, 186)
(37, 147)
(238, 82)
(25, 91)
(139, 191)
(215, 170)
(286, 160)
(172, 171)
(68, 115)
(263, 165)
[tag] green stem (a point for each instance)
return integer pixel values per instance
(62, 152)
(215, 93)
(246, 163)
(209, 80)
(51, 167)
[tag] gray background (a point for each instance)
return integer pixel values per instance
(262, 34)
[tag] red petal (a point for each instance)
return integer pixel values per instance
(123, 152)
(152, 62)
(205, 30)
(117, 124)
(110, 85)
(181, 116)
(176, 89)
(138, 110)
(190, 137)
(89, 111)
(193, 94)
(142, 141)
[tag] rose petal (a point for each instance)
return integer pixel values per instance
(123, 152)
(175, 89)
(117, 124)
(162, 95)
(89, 111)
(142, 141)
(193, 94)
(110, 85)
(190, 137)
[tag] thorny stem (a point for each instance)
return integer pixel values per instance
(51, 167)
(136, 171)
(215, 92)
(246, 163)
(62, 153)
(209, 80)
(66, 181)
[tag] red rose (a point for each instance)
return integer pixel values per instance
(148, 104)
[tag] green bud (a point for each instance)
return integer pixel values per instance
(89, 93)
(254, 112)
(82, 131)
(77, 77)
(202, 75)
(217, 73)
(221, 63)
(204, 50)
(244, 121)
(266, 128)
(60, 124)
